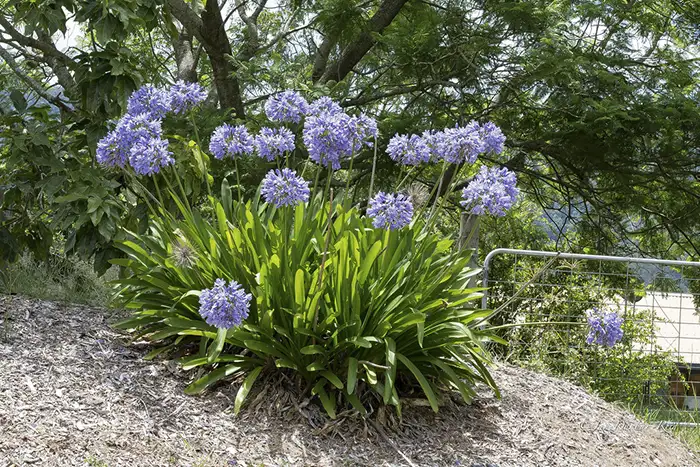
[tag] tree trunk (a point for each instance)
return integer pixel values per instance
(354, 52)
(184, 56)
(469, 239)
(219, 50)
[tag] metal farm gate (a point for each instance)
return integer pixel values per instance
(542, 298)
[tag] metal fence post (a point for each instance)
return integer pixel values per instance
(469, 239)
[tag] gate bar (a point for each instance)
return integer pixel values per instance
(549, 254)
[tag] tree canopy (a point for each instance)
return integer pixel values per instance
(599, 100)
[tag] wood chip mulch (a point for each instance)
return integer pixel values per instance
(73, 393)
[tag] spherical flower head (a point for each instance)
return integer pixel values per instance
(224, 306)
(603, 328)
(492, 191)
(115, 148)
(111, 151)
(493, 137)
(390, 211)
(432, 139)
(332, 137)
(231, 141)
(408, 150)
(274, 142)
(323, 104)
(363, 131)
(147, 157)
(184, 96)
(418, 193)
(149, 100)
(134, 128)
(458, 145)
(287, 106)
(284, 188)
(184, 256)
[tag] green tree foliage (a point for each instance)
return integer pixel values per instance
(599, 99)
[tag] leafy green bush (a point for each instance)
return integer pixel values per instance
(351, 310)
(294, 280)
(634, 371)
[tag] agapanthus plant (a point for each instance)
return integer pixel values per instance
(324, 105)
(137, 136)
(184, 96)
(408, 149)
(286, 107)
(136, 139)
(150, 100)
(224, 305)
(147, 157)
(494, 139)
(331, 137)
(390, 211)
(353, 305)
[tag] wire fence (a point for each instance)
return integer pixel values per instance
(542, 298)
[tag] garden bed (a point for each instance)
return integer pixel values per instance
(73, 393)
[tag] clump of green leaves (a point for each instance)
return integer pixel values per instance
(355, 313)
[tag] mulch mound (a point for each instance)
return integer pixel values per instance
(72, 393)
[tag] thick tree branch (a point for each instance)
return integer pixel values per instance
(185, 57)
(252, 36)
(26, 41)
(189, 19)
(321, 60)
(63, 75)
(34, 85)
(210, 31)
(218, 48)
(354, 52)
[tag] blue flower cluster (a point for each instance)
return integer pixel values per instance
(333, 135)
(604, 328)
(454, 145)
(138, 141)
(494, 139)
(185, 95)
(330, 135)
(390, 211)
(492, 191)
(149, 100)
(224, 306)
(460, 144)
(324, 104)
(274, 142)
(158, 102)
(408, 149)
(137, 138)
(284, 188)
(231, 141)
(287, 106)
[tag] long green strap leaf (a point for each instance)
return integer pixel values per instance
(245, 389)
(424, 383)
(204, 382)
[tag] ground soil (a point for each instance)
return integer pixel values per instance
(73, 392)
